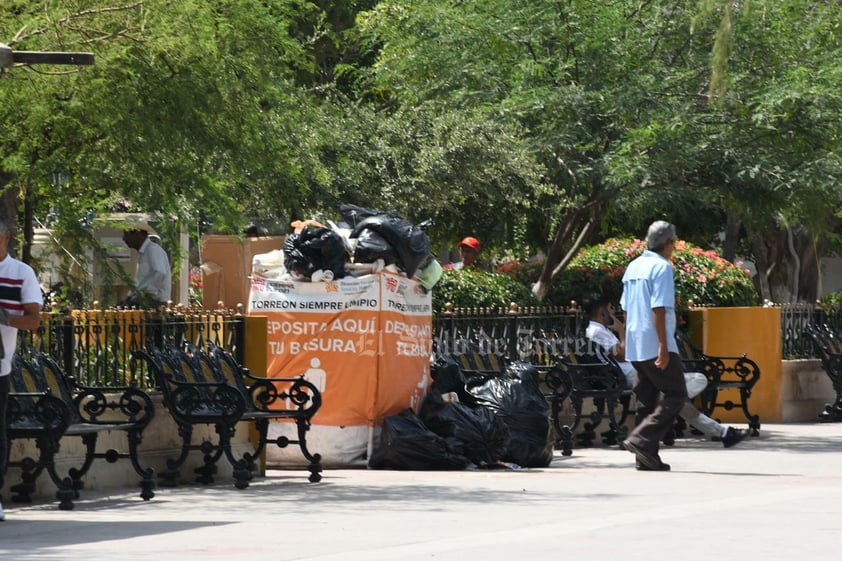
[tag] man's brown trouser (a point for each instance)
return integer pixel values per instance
(656, 414)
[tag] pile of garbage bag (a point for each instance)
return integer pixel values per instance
(470, 421)
(366, 241)
(313, 249)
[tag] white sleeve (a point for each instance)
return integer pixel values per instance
(604, 338)
(31, 290)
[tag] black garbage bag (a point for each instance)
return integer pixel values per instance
(406, 443)
(314, 249)
(484, 437)
(409, 241)
(353, 214)
(516, 398)
(371, 246)
(447, 375)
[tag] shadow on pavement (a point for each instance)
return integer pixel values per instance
(18, 537)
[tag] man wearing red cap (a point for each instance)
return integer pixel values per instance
(469, 248)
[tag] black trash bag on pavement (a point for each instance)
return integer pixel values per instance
(314, 249)
(517, 399)
(447, 376)
(405, 443)
(371, 246)
(485, 438)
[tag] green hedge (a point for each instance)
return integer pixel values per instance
(476, 288)
(832, 301)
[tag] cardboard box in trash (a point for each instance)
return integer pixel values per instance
(226, 267)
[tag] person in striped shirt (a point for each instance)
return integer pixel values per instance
(20, 308)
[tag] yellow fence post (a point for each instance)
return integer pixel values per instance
(255, 359)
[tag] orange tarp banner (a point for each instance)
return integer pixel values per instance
(406, 324)
(364, 342)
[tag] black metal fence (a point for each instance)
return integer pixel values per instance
(795, 322)
(538, 334)
(96, 346)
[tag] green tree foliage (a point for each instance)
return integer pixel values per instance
(638, 110)
(193, 110)
(534, 125)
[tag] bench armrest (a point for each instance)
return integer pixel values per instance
(107, 405)
(38, 409)
(300, 395)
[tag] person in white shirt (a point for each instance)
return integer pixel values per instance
(601, 330)
(20, 308)
(601, 318)
(153, 280)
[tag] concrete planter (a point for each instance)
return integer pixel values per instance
(755, 332)
(805, 389)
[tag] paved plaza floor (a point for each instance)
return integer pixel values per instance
(776, 497)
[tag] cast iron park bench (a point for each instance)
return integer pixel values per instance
(829, 346)
(738, 373)
(205, 385)
(48, 406)
(593, 376)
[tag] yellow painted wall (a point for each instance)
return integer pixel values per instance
(255, 354)
(255, 359)
(755, 332)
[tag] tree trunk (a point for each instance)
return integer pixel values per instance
(9, 209)
(787, 263)
(761, 263)
(732, 235)
(28, 229)
(570, 236)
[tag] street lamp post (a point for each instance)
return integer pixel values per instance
(9, 57)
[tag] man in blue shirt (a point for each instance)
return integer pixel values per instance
(601, 330)
(649, 301)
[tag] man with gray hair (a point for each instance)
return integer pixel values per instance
(20, 308)
(649, 301)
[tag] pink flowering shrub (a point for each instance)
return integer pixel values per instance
(700, 275)
(195, 286)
